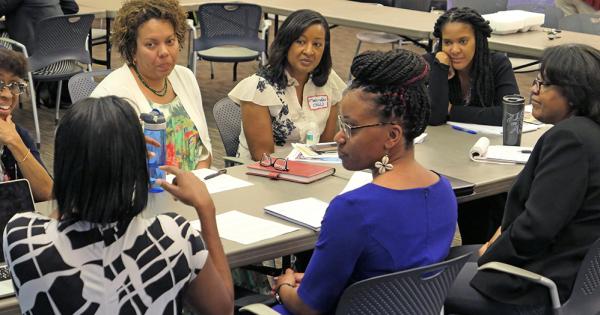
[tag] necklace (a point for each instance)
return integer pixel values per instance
(161, 92)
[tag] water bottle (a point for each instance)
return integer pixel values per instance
(512, 119)
(312, 134)
(155, 127)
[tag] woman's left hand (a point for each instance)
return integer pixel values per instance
(288, 277)
(8, 131)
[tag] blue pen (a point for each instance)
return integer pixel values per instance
(473, 132)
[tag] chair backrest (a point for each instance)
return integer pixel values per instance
(83, 84)
(59, 38)
(229, 24)
(416, 291)
(552, 16)
(417, 5)
(228, 117)
(583, 23)
(585, 296)
(482, 6)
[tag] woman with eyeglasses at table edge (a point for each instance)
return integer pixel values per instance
(467, 81)
(20, 157)
(149, 35)
(552, 214)
(294, 94)
(406, 217)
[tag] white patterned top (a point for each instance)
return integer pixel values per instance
(136, 267)
(290, 120)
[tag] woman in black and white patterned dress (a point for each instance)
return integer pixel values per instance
(96, 254)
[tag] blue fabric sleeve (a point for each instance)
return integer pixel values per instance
(342, 240)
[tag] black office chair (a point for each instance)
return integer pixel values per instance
(228, 117)
(419, 290)
(585, 297)
(83, 84)
(229, 32)
(60, 47)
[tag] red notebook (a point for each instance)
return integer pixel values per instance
(297, 172)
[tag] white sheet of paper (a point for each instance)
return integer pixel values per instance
(246, 229)
(216, 184)
(492, 130)
(357, 180)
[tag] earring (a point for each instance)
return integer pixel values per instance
(384, 165)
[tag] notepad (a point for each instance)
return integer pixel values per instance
(482, 151)
(307, 212)
(246, 229)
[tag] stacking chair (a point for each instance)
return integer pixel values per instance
(482, 6)
(61, 44)
(387, 38)
(582, 23)
(14, 45)
(585, 297)
(83, 84)
(229, 33)
(419, 290)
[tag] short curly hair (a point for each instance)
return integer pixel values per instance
(13, 62)
(137, 12)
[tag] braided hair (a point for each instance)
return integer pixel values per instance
(482, 79)
(398, 78)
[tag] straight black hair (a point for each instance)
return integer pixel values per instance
(100, 171)
(573, 68)
(291, 29)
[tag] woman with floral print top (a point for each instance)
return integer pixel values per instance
(296, 92)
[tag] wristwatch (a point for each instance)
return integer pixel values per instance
(277, 297)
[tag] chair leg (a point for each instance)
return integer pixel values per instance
(235, 71)
(212, 71)
(34, 110)
(355, 54)
(58, 92)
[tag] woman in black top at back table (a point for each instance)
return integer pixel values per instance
(467, 81)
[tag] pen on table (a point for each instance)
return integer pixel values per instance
(219, 172)
(473, 132)
(526, 151)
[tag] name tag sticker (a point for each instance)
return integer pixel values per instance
(317, 102)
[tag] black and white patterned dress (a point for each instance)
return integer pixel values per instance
(136, 267)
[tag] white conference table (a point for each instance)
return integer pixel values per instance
(444, 150)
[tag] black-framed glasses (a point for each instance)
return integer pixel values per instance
(280, 164)
(347, 129)
(16, 88)
(537, 85)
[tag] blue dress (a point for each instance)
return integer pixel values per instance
(374, 230)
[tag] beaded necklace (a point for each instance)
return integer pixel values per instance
(161, 92)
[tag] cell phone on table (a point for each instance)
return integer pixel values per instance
(324, 147)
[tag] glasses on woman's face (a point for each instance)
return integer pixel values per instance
(16, 88)
(537, 84)
(280, 164)
(347, 128)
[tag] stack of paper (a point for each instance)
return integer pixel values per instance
(357, 180)
(482, 151)
(246, 229)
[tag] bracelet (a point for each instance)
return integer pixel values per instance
(26, 156)
(277, 296)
